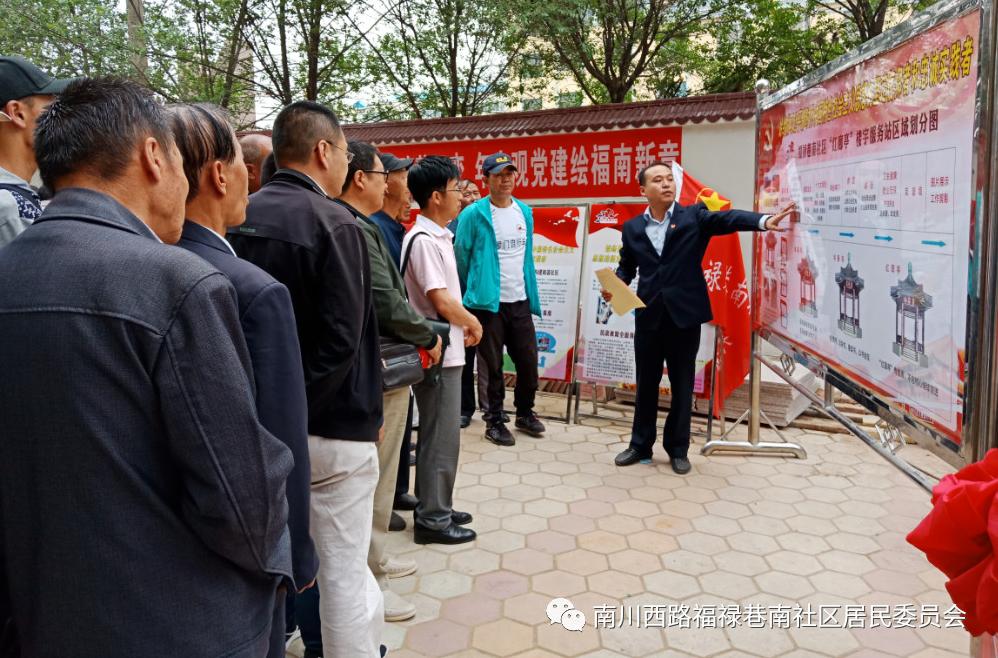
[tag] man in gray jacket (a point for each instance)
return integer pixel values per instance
(142, 504)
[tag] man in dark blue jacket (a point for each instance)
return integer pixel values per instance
(665, 246)
(142, 503)
(217, 200)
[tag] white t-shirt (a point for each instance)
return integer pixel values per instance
(511, 241)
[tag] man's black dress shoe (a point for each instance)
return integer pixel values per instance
(405, 502)
(460, 518)
(628, 457)
(681, 465)
(452, 534)
(396, 523)
(465, 421)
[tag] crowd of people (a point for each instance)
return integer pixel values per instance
(210, 419)
(201, 452)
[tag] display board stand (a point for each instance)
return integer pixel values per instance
(754, 414)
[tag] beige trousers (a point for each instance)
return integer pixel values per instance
(396, 408)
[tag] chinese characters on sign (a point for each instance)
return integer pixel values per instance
(581, 165)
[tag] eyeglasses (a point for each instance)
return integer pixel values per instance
(375, 171)
(348, 153)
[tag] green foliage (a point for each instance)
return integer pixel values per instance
(755, 39)
(439, 57)
(607, 47)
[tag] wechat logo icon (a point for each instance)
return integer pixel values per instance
(561, 611)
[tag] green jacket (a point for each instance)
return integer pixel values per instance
(478, 257)
(396, 318)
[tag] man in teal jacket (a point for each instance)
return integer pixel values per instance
(494, 248)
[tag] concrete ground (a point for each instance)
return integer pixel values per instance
(745, 556)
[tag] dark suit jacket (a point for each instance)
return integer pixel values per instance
(268, 322)
(142, 502)
(674, 282)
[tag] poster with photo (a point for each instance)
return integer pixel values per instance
(606, 340)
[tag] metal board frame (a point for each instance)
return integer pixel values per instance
(980, 402)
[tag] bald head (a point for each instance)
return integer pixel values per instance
(256, 148)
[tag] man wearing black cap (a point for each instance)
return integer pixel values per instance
(24, 92)
(494, 248)
(396, 204)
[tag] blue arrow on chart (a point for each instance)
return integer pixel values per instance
(886, 238)
(848, 235)
(813, 230)
(934, 243)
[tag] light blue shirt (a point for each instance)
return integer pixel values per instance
(656, 229)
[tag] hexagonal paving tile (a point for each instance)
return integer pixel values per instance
(527, 561)
(503, 637)
(567, 643)
(471, 609)
(439, 637)
(551, 542)
(698, 542)
(592, 509)
(527, 608)
(501, 584)
(652, 542)
(688, 562)
(635, 562)
(791, 562)
(602, 542)
(474, 562)
(582, 562)
(727, 584)
(672, 585)
(558, 583)
(524, 524)
(445, 584)
(615, 584)
(501, 541)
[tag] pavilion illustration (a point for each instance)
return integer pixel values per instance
(850, 285)
(909, 319)
(808, 274)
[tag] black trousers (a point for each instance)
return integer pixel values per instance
(658, 341)
(513, 327)
(468, 382)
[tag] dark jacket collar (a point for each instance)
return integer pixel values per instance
(353, 211)
(298, 178)
(197, 233)
(96, 207)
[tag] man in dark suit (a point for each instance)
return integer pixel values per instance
(665, 246)
(142, 503)
(217, 176)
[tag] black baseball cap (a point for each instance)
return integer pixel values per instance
(393, 163)
(19, 78)
(496, 163)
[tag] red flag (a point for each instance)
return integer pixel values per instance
(727, 285)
